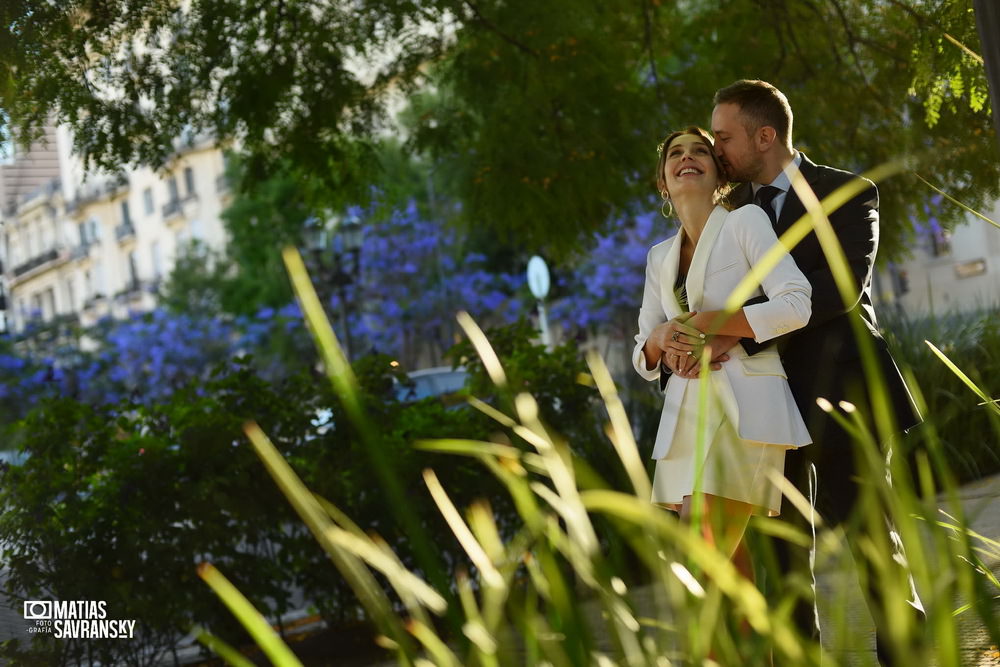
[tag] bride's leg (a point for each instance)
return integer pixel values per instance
(723, 524)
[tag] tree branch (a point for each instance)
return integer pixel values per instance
(496, 29)
(648, 36)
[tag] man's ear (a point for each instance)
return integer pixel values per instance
(766, 136)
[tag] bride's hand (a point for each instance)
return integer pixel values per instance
(678, 342)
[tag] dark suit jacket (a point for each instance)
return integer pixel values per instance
(823, 358)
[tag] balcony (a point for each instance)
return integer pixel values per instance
(133, 290)
(81, 251)
(95, 191)
(171, 209)
(92, 300)
(36, 261)
(125, 231)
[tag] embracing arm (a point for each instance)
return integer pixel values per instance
(787, 306)
(856, 227)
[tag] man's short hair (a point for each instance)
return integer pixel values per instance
(760, 104)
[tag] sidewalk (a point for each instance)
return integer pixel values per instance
(981, 502)
(842, 608)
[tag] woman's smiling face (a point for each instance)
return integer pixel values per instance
(690, 166)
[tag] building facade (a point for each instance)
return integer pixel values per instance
(957, 271)
(79, 246)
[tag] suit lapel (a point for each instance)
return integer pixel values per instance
(668, 273)
(793, 209)
(699, 262)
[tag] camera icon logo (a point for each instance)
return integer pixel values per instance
(37, 610)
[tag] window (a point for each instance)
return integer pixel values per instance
(98, 283)
(157, 256)
(940, 242)
(126, 218)
(88, 231)
(147, 201)
(70, 296)
(133, 272)
(49, 304)
(172, 194)
(189, 180)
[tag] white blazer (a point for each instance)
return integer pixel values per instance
(753, 390)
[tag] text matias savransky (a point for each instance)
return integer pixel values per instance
(76, 619)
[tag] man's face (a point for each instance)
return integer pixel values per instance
(734, 145)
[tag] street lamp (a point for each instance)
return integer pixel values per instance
(335, 247)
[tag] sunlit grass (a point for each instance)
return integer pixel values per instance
(545, 591)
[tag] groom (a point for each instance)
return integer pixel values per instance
(752, 124)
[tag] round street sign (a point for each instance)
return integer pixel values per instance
(538, 277)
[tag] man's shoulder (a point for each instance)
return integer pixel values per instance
(832, 175)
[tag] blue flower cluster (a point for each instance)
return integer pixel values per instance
(414, 277)
(604, 291)
(415, 274)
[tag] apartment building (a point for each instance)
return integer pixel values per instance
(79, 245)
(956, 271)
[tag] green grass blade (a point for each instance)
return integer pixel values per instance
(623, 440)
(345, 383)
(491, 577)
(956, 202)
(221, 648)
(276, 650)
(338, 368)
(964, 378)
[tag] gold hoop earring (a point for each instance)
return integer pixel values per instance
(669, 203)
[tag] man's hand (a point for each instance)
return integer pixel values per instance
(717, 346)
(672, 342)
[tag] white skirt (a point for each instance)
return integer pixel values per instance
(731, 467)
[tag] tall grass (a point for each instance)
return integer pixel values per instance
(547, 593)
(964, 426)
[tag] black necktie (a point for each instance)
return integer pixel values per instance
(764, 198)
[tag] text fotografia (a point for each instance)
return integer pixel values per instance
(77, 619)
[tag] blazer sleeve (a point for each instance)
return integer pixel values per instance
(788, 305)
(651, 314)
(856, 226)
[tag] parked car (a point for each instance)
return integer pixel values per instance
(441, 381)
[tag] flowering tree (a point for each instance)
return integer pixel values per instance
(603, 292)
(415, 274)
(146, 358)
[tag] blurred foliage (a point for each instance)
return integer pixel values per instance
(413, 271)
(972, 342)
(539, 118)
(173, 476)
(546, 589)
(149, 491)
(177, 477)
(144, 359)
